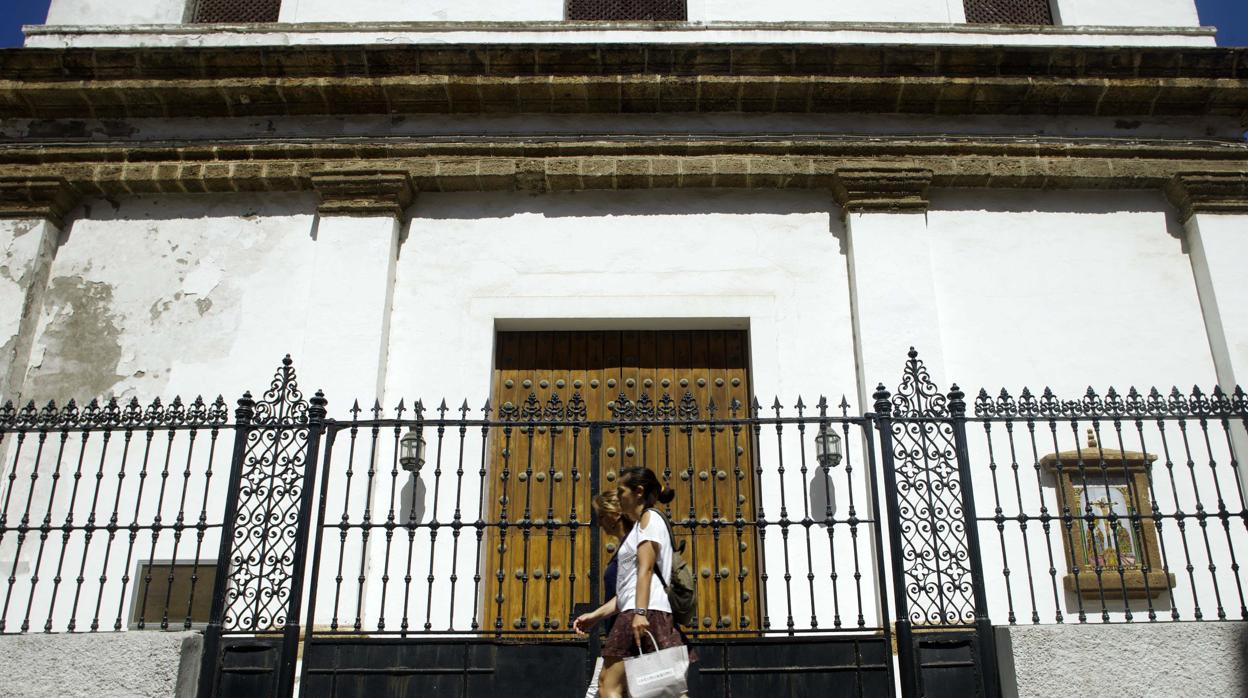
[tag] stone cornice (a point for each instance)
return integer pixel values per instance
(362, 193)
(622, 78)
(1208, 192)
(862, 170)
(46, 197)
(897, 189)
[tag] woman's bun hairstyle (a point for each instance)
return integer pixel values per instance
(652, 489)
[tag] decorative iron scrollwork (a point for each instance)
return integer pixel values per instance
(269, 495)
(112, 415)
(1114, 405)
(933, 539)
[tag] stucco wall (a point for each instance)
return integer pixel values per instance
(1167, 13)
(1142, 660)
(162, 295)
(104, 665)
(1071, 12)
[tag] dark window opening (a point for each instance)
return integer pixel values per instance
(1008, 12)
(628, 10)
(236, 11)
(172, 594)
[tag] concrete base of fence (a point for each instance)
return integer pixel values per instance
(139, 664)
(1143, 660)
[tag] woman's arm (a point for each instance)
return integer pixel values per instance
(585, 621)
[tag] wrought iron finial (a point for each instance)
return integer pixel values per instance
(317, 411)
(464, 410)
(242, 414)
(883, 401)
(957, 401)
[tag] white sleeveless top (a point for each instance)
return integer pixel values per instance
(626, 584)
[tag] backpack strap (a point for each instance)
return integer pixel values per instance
(671, 543)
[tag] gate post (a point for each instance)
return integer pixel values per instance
(252, 639)
(905, 645)
(208, 673)
(945, 641)
(987, 652)
(290, 634)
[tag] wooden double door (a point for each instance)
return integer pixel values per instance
(640, 389)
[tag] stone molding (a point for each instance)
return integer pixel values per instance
(110, 83)
(1208, 192)
(860, 190)
(376, 178)
(363, 192)
(37, 197)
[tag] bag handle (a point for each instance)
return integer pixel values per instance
(641, 649)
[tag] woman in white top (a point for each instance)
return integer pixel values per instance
(640, 596)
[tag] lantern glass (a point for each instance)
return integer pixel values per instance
(412, 451)
(828, 447)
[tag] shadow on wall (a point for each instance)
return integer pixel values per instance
(592, 204)
(1085, 202)
(412, 505)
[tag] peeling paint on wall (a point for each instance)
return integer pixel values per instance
(81, 345)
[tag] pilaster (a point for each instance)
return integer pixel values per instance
(363, 193)
(37, 198)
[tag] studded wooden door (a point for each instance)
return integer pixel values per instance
(540, 573)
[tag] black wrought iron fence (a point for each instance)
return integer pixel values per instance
(468, 525)
(111, 514)
(489, 530)
(1116, 508)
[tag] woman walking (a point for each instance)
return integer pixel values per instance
(612, 522)
(644, 561)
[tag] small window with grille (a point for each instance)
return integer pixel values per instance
(172, 594)
(235, 11)
(1008, 11)
(628, 10)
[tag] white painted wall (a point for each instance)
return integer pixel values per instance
(104, 12)
(420, 11)
(769, 261)
(1177, 13)
(1067, 290)
(559, 33)
(805, 11)
(1171, 13)
(160, 295)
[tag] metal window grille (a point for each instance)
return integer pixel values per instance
(625, 10)
(236, 11)
(1008, 12)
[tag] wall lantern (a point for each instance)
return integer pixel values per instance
(828, 447)
(412, 451)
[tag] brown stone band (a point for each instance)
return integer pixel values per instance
(619, 78)
(863, 174)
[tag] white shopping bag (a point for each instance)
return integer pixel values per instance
(659, 674)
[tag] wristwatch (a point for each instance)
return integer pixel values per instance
(640, 611)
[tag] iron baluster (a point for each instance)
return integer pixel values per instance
(983, 624)
(433, 518)
(208, 674)
(906, 663)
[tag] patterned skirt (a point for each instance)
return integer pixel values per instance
(619, 642)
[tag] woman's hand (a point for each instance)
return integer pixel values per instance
(584, 623)
(641, 626)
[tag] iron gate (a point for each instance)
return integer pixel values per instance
(400, 526)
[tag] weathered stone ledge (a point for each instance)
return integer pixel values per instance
(868, 174)
(608, 78)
